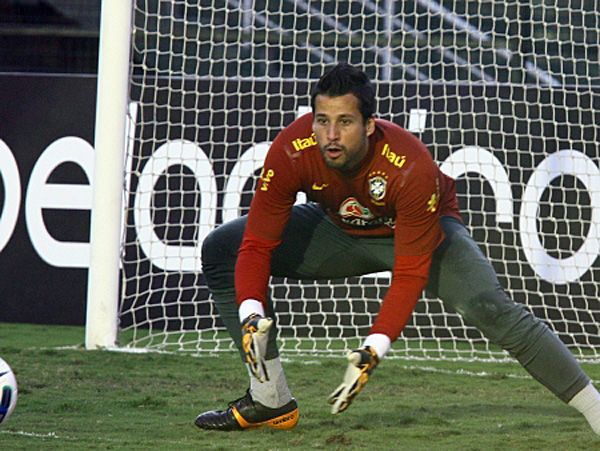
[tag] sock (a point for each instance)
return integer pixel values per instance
(587, 401)
(274, 392)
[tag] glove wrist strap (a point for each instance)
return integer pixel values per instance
(381, 343)
(249, 307)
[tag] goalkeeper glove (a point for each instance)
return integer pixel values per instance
(361, 364)
(255, 336)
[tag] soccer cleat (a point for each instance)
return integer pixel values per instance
(245, 413)
(361, 364)
(255, 336)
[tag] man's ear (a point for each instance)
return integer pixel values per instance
(370, 126)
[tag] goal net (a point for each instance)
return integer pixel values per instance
(505, 94)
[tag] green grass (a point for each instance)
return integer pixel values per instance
(70, 398)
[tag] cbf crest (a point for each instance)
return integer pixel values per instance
(377, 187)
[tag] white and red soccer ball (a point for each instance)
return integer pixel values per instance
(8, 391)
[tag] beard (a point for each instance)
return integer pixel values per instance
(335, 156)
(342, 158)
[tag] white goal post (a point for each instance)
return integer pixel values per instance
(191, 92)
(106, 230)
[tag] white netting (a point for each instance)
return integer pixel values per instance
(505, 94)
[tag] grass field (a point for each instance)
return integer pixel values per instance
(71, 399)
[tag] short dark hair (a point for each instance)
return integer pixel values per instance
(345, 79)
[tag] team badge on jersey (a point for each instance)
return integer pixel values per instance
(377, 187)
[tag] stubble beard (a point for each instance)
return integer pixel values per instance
(338, 163)
(343, 163)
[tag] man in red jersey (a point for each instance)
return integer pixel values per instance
(377, 202)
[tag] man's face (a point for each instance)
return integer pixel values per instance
(341, 132)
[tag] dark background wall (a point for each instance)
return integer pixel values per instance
(49, 36)
(38, 111)
(48, 65)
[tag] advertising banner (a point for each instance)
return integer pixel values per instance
(530, 155)
(46, 162)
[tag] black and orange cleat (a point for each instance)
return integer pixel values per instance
(245, 413)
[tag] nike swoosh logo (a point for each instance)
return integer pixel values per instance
(2, 374)
(316, 187)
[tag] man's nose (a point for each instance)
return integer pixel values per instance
(333, 132)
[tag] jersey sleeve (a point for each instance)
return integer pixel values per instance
(269, 213)
(417, 229)
(417, 234)
(409, 278)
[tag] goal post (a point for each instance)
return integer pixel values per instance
(505, 95)
(109, 144)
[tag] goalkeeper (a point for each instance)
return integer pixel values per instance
(378, 202)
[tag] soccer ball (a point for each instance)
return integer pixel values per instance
(8, 391)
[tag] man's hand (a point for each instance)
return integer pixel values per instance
(362, 362)
(255, 336)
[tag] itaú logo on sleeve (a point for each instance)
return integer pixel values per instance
(303, 143)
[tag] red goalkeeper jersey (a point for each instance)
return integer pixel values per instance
(397, 190)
